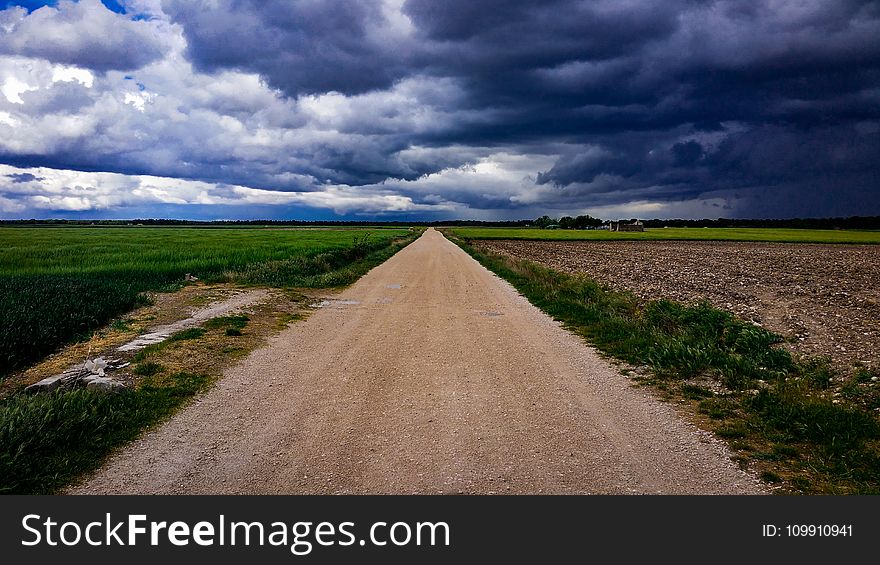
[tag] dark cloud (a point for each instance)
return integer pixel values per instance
(771, 105)
(19, 178)
(301, 46)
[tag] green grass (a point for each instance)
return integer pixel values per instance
(59, 284)
(47, 440)
(769, 397)
(148, 369)
(189, 333)
(237, 322)
(231, 325)
(686, 234)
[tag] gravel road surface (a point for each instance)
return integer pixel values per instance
(429, 375)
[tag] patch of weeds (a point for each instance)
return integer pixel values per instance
(801, 483)
(862, 389)
(732, 431)
(741, 460)
(851, 389)
(790, 408)
(233, 332)
(863, 375)
(781, 451)
(770, 477)
(233, 322)
(717, 408)
(695, 392)
(740, 445)
(149, 350)
(189, 333)
(121, 325)
(295, 296)
(235, 352)
(148, 369)
(287, 319)
(817, 371)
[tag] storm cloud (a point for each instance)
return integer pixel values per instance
(491, 109)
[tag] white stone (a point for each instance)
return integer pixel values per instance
(103, 383)
(46, 385)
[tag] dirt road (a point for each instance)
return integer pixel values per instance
(429, 375)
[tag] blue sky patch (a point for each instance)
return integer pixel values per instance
(31, 6)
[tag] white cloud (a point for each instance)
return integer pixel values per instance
(65, 190)
(67, 73)
(13, 88)
(84, 33)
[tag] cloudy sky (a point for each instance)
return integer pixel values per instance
(430, 109)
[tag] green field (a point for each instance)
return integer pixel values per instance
(687, 234)
(59, 284)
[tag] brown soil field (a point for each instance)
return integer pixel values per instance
(823, 299)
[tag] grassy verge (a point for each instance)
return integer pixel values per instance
(47, 440)
(336, 268)
(776, 412)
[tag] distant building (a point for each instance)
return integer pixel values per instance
(636, 225)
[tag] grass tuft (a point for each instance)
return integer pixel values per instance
(189, 333)
(148, 369)
(236, 322)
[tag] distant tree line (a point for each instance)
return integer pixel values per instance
(565, 222)
(569, 223)
(588, 222)
(851, 223)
